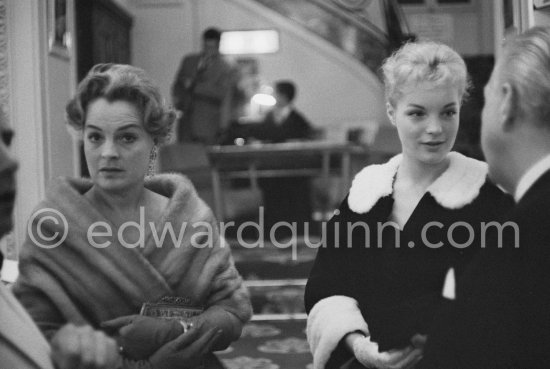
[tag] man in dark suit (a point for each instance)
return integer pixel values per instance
(202, 90)
(501, 315)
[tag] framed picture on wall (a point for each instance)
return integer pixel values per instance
(58, 30)
(541, 3)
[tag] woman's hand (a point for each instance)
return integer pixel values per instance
(83, 348)
(186, 351)
(141, 336)
(367, 353)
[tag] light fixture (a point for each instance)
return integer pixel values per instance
(249, 42)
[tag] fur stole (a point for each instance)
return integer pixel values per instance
(84, 284)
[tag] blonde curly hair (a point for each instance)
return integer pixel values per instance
(123, 82)
(417, 62)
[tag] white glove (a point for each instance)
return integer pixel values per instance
(366, 352)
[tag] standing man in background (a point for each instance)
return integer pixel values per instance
(202, 90)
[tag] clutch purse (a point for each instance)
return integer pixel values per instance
(171, 307)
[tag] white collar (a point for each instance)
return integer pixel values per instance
(458, 186)
(530, 177)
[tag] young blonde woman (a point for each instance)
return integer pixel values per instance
(407, 227)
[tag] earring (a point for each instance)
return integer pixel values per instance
(152, 161)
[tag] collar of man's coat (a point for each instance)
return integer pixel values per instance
(458, 186)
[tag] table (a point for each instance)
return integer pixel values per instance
(288, 159)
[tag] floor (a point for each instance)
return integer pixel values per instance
(276, 276)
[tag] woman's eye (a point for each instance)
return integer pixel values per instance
(415, 114)
(94, 137)
(128, 138)
(450, 113)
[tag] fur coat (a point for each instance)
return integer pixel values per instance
(86, 282)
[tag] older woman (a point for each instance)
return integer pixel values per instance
(407, 228)
(130, 239)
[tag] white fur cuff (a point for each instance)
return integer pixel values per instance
(328, 322)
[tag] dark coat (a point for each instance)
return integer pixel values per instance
(501, 317)
(397, 279)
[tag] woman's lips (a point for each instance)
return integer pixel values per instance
(434, 143)
(110, 170)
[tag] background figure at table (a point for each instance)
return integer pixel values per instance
(202, 91)
(284, 122)
(285, 199)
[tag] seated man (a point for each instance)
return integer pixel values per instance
(283, 122)
(285, 199)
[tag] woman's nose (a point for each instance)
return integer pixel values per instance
(109, 149)
(434, 126)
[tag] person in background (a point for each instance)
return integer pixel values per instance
(164, 244)
(398, 242)
(22, 345)
(202, 92)
(500, 316)
(284, 122)
(285, 199)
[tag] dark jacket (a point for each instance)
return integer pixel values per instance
(397, 276)
(501, 317)
(295, 126)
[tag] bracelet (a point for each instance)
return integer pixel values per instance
(186, 326)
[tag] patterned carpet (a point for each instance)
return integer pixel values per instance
(271, 344)
(275, 338)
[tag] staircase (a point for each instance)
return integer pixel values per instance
(349, 25)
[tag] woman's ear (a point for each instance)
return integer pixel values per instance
(391, 113)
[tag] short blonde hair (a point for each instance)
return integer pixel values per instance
(417, 62)
(115, 82)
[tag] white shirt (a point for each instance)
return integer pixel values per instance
(280, 115)
(531, 176)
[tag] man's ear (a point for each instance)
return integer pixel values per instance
(508, 106)
(391, 113)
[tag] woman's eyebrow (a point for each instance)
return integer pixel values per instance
(127, 126)
(131, 125)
